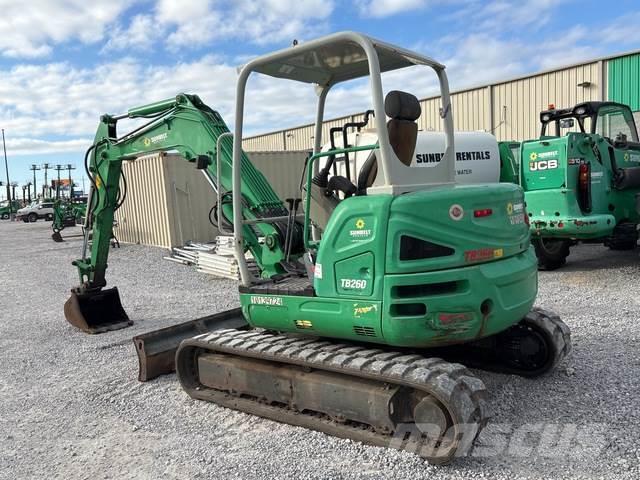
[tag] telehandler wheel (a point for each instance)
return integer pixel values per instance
(624, 237)
(32, 217)
(551, 253)
(5, 216)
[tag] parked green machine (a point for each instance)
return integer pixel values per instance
(67, 213)
(340, 317)
(6, 210)
(582, 185)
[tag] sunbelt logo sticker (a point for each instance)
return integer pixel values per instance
(533, 156)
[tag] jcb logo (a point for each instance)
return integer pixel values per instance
(543, 165)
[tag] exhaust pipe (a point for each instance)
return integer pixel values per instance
(96, 311)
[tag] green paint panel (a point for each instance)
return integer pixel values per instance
(623, 81)
(458, 275)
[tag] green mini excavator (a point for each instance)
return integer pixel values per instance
(67, 213)
(341, 322)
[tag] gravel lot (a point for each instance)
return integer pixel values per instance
(71, 407)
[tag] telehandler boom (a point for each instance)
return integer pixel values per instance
(341, 314)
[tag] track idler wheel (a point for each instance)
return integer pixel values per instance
(96, 311)
(536, 344)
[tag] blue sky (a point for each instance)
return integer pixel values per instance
(65, 62)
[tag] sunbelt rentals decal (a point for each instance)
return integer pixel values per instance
(155, 139)
(360, 232)
(433, 159)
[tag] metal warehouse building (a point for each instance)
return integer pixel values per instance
(509, 109)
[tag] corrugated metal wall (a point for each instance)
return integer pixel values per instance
(167, 203)
(517, 104)
(624, 80)
(168, 200)
(283, 170)
(509, 109)
(143, 217)
(190, 198)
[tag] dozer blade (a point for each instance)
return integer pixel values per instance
(157, 349)
(96, 312)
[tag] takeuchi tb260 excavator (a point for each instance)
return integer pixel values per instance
(345, 313)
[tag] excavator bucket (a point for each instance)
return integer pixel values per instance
(56, 237)
(96, 312)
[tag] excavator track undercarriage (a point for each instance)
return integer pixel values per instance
(399, 399)
(406, 401)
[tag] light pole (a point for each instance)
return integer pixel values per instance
(35, 188)
(58, 169)
(69, 168)
(13, 190)
(6, 166)
(45, 186)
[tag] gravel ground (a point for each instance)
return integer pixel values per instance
(71, 407)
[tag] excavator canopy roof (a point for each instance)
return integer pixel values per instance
(333, 60)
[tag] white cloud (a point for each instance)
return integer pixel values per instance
(32, 28)
(506, 15)
(141, 34)
(385, 8)
(56, 104)
(34, 146)
(622, 31)
(197, 23)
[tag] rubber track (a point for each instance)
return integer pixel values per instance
(557, 329)
(451, 383)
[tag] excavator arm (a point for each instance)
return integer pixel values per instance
(186, 126)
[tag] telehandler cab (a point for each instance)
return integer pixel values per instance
(340, 316)
(582, 185)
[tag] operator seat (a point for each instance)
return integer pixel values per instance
(403, 109)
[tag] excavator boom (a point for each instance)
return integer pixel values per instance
(198, 134)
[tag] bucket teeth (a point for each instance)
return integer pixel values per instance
(96, 312)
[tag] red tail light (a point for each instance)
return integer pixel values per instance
(526, 217)
(584, 187)
(485, 212)
(583, 178)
